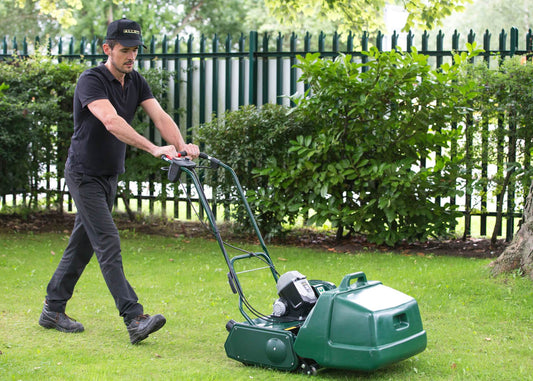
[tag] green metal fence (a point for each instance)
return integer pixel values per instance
(212, 75)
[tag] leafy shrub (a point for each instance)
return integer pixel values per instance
(501, 128)
(35, 120)
(363, 169)
(247, 139)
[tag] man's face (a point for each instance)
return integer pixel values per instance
(121, 57)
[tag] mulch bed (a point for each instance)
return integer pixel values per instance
(63, 222)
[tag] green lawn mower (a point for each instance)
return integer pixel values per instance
(360, 325)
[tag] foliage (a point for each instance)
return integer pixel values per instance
(492, 15)
(247, 139)
(62, 11)
(376, 124)
(35, 119)
(88, 19)
(506, 99)
(359, 16)
(19, 19)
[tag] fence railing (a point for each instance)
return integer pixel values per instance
(212, 75)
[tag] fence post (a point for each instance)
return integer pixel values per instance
(394, 41)
(410, 39)
(335, 42)
(279, 70)
(321, 38)
(514, 41)
(379, 41)
(512, 141)
(440, 46)
(252, 69)
(229, 73)
(241, 82)
(93, 51)
(202, 82)
(266, 66)
(349, 42)
(364, 48)
(82, 47)
(292, 69)
(485, 147)
(425, 42)
(215, 75)
(71, 48)
(307, 49)
(60, 50)
(190, 87)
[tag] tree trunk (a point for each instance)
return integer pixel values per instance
(519, 254)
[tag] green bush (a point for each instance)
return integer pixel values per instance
(247, 139)
(368, 150)
(364, 169)
(35, 120)
(502, 135)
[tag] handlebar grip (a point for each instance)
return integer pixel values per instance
(169, 158)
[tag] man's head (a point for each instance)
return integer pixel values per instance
(124, 31)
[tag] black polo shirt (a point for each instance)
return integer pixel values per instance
(93, 150)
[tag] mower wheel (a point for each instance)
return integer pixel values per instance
(308, 369)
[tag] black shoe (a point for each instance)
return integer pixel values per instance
(143, 325)
(59, 321)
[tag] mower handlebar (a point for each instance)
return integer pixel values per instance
(202, 155)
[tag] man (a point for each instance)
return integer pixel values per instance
(105, 101)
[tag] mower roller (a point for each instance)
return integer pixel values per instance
(360, 325)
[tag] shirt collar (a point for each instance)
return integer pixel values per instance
(110, 77)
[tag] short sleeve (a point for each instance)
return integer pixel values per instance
(90, 88)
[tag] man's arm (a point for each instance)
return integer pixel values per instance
(115, 124)
(167, 127)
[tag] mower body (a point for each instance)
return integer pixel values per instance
(361, 325)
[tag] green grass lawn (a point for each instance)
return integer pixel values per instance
(478, 327)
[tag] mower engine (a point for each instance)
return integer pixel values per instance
(296, 296)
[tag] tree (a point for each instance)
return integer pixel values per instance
(492, 15)
(86, 18)
(519, 254)
(359, 16)
(19, 19)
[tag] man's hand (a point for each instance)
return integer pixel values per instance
(192, 151)
(165, 151)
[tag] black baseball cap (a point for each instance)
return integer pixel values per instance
(126, 32)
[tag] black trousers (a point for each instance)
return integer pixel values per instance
(94, 232)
